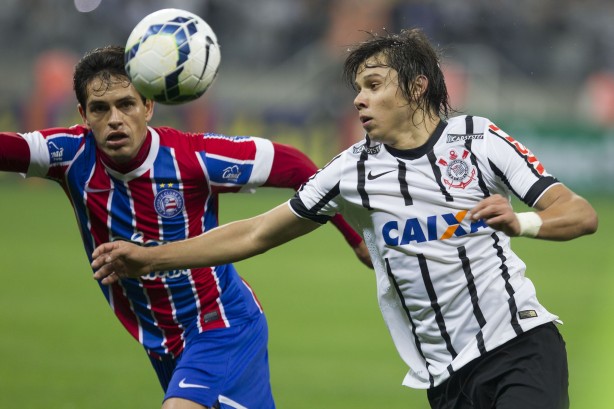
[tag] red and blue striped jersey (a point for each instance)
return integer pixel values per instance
(171, 196)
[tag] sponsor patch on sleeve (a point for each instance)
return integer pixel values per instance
(523, 315)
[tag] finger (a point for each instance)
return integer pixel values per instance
(99, 261)
(479, 210)
(105, 256)
(110, 279)
(104, 248)
(104, 271)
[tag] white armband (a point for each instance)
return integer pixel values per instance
(530, 223)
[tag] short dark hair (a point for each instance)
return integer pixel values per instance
(410, 54)
(104, 63)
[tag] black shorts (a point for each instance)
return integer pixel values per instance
(528, 372)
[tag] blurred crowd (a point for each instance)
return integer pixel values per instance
(541, 60)
(542, 69)
(560, 39)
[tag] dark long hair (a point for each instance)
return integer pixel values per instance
(410, 54)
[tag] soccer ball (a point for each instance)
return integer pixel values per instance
(172, 56)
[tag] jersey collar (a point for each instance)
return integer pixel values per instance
(143, 161)
(420, 151)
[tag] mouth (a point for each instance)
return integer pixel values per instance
(365, 120)
(116, 140)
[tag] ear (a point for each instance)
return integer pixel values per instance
(419, 86)
(82, 113)
(149, 109)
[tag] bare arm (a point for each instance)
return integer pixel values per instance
(564, 215)
(225, 244)
(292, 168)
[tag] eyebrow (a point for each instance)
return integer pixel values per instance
(103, 102)
(368, 77)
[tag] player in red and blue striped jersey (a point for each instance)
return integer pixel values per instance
(203, 329)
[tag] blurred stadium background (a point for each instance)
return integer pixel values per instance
(543, 71)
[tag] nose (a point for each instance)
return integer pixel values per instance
(115, 117)
(360, 101)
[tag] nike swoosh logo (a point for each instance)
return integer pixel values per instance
(370, 176)
(184, 384)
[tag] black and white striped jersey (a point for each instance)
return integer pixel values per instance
(449, 289)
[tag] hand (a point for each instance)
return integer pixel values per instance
(363, 254)
(498, 213)
(119, 259)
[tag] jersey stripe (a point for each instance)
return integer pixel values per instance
(514, 147)
(538, 189)
(168, 177)
(430, 289)
(503, 178)
(437, 173)
(403, 183)
(220, 305)
(123, 310)
(326, 199)
(417, 342)
(477, 312)
(194, 210)
(469, 130)
(469, 124)
(151, 334)
(474, 162)
(172, 329)
(508, 286)
(360, 168)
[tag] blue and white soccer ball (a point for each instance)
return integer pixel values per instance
(172, 56)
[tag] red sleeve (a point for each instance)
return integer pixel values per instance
(292, 168)
(350, 235)
(14, 153)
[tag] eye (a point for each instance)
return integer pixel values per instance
(97, 108)
(127, 104)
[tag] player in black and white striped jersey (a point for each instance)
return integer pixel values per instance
(431, 197)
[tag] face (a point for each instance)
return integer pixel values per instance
(383, 110)
(117, 116)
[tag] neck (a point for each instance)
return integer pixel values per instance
(133, 163)
(418, 133)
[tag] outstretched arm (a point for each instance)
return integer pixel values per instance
(14, 153)
(292, 168)
(561, 215)
(225, 244)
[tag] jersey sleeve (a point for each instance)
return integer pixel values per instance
(237, 163)
(14, 153)
(52, 150)
(291, 167)
(517, 166)
(317, 199)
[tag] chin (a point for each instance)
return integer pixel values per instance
(376, 138)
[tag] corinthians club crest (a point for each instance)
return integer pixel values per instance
(458, 170)
(168, 203)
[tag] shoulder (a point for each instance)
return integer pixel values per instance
(76, 131)
(464, 128)
(468, 121)
(362, 148)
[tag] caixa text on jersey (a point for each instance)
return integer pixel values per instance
(436, 227)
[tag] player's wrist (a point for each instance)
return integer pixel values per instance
(530, 223)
